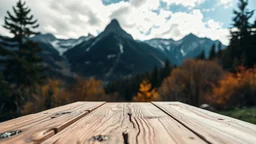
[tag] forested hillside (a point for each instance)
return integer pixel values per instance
(39, 71)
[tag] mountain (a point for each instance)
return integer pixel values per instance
(188, 47)
(61, 45)
(113, 54)
(53, 49)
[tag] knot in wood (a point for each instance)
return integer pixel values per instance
(59, 114)
(100, 138)
(9, 134)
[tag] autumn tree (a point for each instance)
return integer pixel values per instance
(128, 87)
(235, 90)
(23, 68)
(50, 96)
(146, 93)
(90, 89)
(190, 82)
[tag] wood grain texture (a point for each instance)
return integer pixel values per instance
(38, 127)
(212, 127)
(123, 123)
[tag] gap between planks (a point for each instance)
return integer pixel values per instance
(179, 121)
(212, 127)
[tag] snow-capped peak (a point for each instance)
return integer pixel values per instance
(61, 45)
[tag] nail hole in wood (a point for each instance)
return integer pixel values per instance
(191, 138)
(9, 134)
(152, 117)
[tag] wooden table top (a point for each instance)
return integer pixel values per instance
(127, 123)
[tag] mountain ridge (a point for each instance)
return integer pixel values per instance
(114, 53)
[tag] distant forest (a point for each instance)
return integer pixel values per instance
(226, 79)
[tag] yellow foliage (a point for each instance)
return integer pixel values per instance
(28, 108)
(85, 90)
(222, 93)
(146, 93)
(56, 93)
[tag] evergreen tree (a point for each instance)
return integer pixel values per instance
(164, 72)
(212, 52)
(201, 56)
(219, 53)
(23, 68)
(241, 48)
(252, 47)
(49, 100)
(155, 77)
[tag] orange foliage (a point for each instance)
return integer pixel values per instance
(50, 96)
(236, 89)
(190, 82)
(88, 90)
(146, 93)
(222, 93)
(56, 93)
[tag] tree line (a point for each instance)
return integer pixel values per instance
(227, 78)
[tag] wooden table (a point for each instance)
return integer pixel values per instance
(127, 123)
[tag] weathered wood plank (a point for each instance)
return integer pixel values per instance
(212, 127)
(126, 123)
(38, 127)
(32, 118)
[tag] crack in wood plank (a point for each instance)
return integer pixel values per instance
(125, 137)
(130, 119)
(138, 133)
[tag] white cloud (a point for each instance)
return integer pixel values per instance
(182, 23)
(213, 24)
(71, 19)
(186, 3)
(208, 9)
(148, 4)
(226, 3)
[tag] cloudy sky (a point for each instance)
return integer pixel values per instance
(144, 19)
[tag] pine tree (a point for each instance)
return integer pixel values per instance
(23, 68)
(219, 53)
(49, 100)
(201, 56)
(155, 79)
(164, 72)
(212, 52)
(241, 44)
(252, 47)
